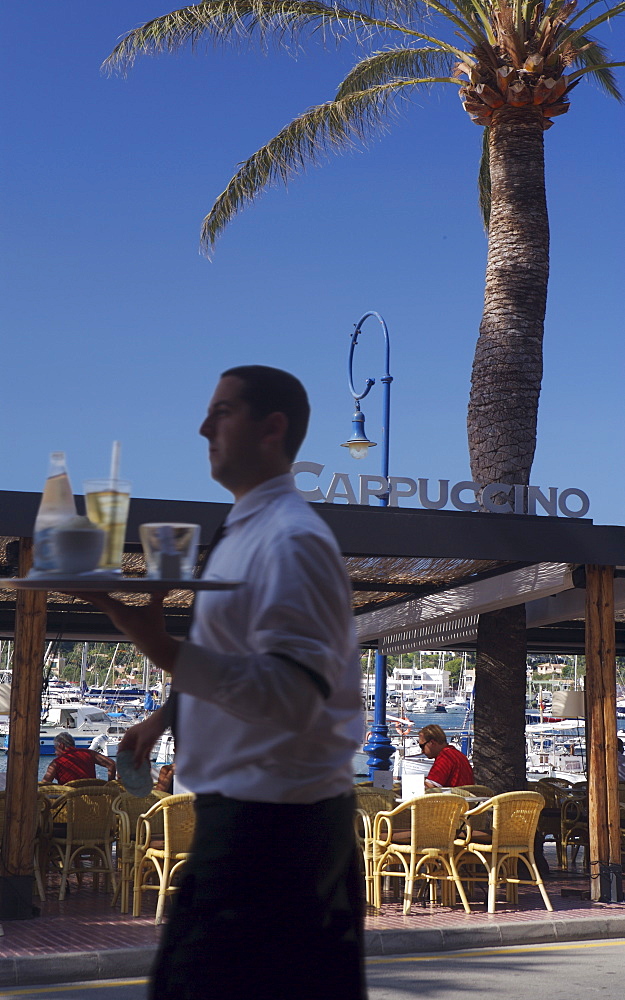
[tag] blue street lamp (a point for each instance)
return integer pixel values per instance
(379, 746)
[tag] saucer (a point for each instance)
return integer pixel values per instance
(136, 780)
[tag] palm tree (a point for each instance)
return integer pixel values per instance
(514, 64)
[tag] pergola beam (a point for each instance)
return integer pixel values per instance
(16, 861)
(603, 792)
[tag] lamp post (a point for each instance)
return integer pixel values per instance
(379, 747)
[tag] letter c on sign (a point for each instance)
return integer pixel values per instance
(315, 469)
(490, 492)
(461, 504)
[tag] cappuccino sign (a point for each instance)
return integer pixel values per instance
(438, 494)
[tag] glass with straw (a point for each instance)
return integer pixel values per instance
(107, 502)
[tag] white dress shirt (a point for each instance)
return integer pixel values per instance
(252, 725)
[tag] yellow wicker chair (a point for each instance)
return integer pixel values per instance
(43, 834)
(84, 782)
(162, 855)
(574, 832)
(550, 820)
(114, 787)
(429, 855)
(514, 821)
(127, 808)
(51, 791)
(83, 825)
(477, 790)
(369, 802)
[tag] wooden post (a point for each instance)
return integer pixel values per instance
(603, 799)
(16, 861)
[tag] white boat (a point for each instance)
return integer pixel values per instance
(84, 723)
(423, 704)
(163, 751)
(556, 750)
(460, 703)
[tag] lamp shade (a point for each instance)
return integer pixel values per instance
(5, 698)
(568, 705)
(358, 443)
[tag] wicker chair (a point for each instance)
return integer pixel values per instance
(574, 832)
(550, 820)
(477, 790)
(429, 855)
(83, 824)
(114, 787)
(514, 821)
(51, 791)
(163, 854)
(369, 802)
(127, 808)
(43, 834)
(84, 782)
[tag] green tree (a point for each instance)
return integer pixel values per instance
(514, 64)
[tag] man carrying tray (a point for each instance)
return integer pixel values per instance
(268, 717)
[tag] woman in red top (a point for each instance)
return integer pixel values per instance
(69, 763)
(450, 768)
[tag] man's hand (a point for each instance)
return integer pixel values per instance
(141, 738)
(143, 625)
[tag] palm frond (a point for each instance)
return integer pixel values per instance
(218, 21)
(333, 126)
(572, 37)
(583, 10)
(483, 13)
(416, 12)
(601, 73)
(394, 64)
(483, 179)
(466, 24)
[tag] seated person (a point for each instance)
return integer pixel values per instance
(450, 767)
(165, 780)
(70, 763)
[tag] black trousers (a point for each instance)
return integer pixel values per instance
(270, 906)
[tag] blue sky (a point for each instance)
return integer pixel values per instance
(115, 327)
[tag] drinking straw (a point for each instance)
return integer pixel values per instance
(115, 459)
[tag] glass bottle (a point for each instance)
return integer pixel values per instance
(57, 505)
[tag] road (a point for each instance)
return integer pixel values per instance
(578, 971)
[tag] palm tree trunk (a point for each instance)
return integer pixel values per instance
(499, 745)
(507, 368)
(503, 411)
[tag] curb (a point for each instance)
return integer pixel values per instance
(76, 966)
(120, 963)
(495, 935)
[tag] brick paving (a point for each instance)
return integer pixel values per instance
(85, 920)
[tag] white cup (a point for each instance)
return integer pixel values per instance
(77, 550)
(170, 550)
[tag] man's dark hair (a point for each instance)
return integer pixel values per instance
(271, 390)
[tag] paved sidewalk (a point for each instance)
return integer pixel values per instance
(84, 938)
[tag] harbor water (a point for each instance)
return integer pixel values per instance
(451, 722)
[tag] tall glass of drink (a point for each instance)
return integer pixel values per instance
(107, 502)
